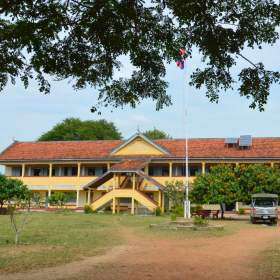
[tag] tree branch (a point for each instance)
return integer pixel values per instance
(248, 60)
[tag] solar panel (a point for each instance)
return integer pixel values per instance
(231, 140)
(245, 141)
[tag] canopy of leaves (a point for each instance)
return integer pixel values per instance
(84, 41)
(12, 191)
(156, 134)
(174, 191)
(75, 129)
(227, 184)
(58, 199)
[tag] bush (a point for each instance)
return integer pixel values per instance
(88, 209)
(196, 208)
(179, 211)
(241, 211)
(158, 211)
(173, 217)
(58, 199)
(198, 221)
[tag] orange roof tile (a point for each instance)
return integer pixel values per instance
(87, 150)
(131, 164)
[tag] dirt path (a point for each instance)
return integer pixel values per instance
(217, 258)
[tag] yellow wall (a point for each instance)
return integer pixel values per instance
(139, 147)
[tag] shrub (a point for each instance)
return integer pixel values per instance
(58, 199)
(241, 211)
(173, 217)
(158, 211)
(196, 208)
(198, 221)
(88, 209)
(179, 211)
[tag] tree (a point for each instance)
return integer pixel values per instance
(4, 191)
(75, 129)
(83, 41)
(227, 184)
(14, 194)
(174, 191)
(58, 199)
(257, 178)
(156, 134)
(217, 187)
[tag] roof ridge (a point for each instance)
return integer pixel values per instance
(70, 141)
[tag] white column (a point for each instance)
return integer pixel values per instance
(79, 169)
(133, 181)
(49, 194)
(170, 169)
(50, 170)
(114, 205)
(77, 198)
(132, 206)
(23, 170)
(203, 167)
(88, 197)
(114, 181)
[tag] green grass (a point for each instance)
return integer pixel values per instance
(50, 239)
(270, 265)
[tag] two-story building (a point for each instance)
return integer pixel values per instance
(126, 174)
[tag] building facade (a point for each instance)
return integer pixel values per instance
(126, 175)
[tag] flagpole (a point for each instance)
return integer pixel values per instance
(181, 64)
(187, 214)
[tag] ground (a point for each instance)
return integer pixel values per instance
(80, 246)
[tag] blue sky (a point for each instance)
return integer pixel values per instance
(26, 114)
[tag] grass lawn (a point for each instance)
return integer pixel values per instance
(54, 238)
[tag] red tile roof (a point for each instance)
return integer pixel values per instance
(130, 164)
(86, 150)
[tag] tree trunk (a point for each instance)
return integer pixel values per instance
(16, 238)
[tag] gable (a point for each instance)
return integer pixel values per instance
(138, 146)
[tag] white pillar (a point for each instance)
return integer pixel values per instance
(170, 169)
(50, 170)
(79, 170)
(23, 170)
(203, 167)
(88, 197)
(114, 205)
(77, 198)
(49, 194)
(133, 181)
(132, 206)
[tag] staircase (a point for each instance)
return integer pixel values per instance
(119, 193)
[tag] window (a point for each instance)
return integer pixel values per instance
(94, 171)
(159, 170)
(70, 171)
(179, 170)
(65, 171)
(38, 171)
(16, 171)
(194, 170)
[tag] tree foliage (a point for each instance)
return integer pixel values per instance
(12, 191)
(75, 129)
(14, 194)
(156, 134)
(84, 41)
(175, 192)
(58, 199)
(226, 184)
